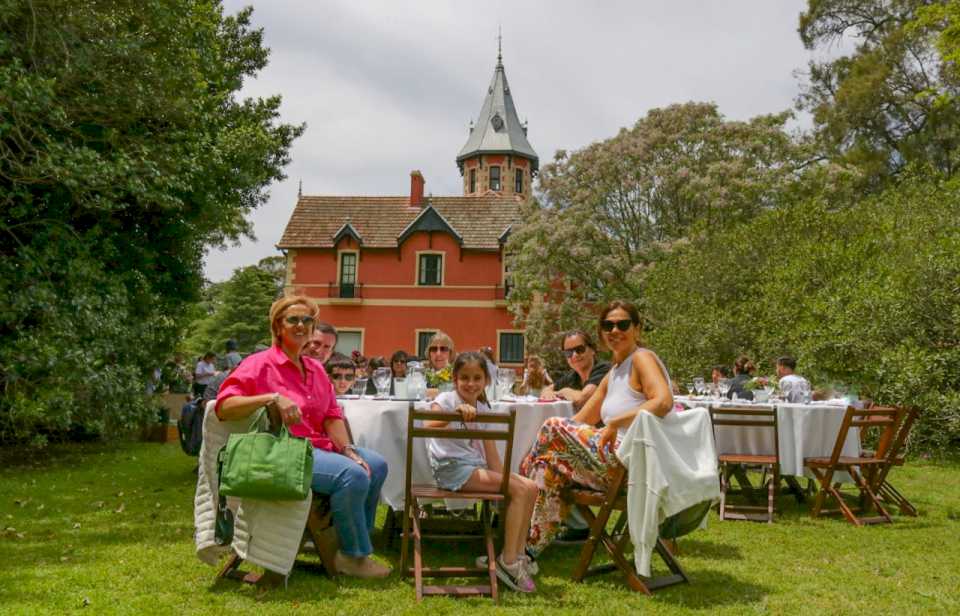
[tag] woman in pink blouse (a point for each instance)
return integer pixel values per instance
(296, 388)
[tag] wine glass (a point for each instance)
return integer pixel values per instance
(699, 385)
(724, 387)
(381, 379)
(360, 387)
(690, 389)
(505, 379)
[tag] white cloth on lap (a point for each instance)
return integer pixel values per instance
(671, 465)
(266, 533)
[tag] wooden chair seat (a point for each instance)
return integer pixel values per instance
(843, 460)
(743, 458)
(432, 492)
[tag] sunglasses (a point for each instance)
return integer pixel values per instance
(623, 325)
(579, 350)
(307, 321)
(343, 377)
(440, 349)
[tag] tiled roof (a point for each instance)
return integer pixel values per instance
(480, 221)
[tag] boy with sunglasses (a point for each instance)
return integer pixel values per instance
(342, 372)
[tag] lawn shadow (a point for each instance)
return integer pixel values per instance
(709, 588)
(710, 550)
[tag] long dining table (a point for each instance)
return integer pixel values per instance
(804, 430)
(381, 425)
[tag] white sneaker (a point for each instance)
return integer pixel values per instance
(365, 567)
(532, 567)
(515, 576)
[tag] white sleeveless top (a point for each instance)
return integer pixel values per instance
(621, 397)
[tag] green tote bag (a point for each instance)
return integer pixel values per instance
(266, 466)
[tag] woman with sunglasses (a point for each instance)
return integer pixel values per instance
(585, 374)
(295, 389)
(572, 452)
(439, 370)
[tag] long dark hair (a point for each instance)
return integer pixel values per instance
(472, 357)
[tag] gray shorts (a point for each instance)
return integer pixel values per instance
(452, 473)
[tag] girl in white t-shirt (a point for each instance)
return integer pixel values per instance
(475, 466)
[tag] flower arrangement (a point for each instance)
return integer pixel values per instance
(435, 378)
(759, 382)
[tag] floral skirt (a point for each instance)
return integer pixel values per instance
(564, 455)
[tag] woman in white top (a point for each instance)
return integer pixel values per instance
(572, 452)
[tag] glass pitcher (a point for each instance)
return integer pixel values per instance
(416, 381)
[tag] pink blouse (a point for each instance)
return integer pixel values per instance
(272, 371)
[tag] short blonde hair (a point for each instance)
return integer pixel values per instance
(441, 339)
(279, 308)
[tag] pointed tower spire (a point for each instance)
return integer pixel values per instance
(300, 189)
(498, 129)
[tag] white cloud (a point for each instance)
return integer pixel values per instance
(387, 87)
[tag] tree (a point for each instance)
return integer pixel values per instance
(892, 101)
(239, 309)
(611, 210)
(125, 153)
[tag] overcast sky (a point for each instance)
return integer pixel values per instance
(388, 87)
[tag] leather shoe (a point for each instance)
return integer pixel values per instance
(362, 567)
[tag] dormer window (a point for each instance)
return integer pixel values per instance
(495, 178)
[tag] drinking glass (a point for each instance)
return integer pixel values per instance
(400, 387)
(505, 380)
(416, 381)
(381, 380)
(699, 385)
(690, 389)
(724, 387)
(360, 386)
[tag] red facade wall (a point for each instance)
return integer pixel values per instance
(388, 276)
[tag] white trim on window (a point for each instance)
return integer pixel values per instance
(443, 267)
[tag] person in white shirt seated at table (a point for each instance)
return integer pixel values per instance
(475, 466)
(572, 452)
(789, 380)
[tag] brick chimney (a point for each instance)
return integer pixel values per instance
(416, 188)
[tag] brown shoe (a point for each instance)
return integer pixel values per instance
(362, 567)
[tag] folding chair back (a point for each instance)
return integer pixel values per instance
(413, 519)
(735, 463)
(887, 420)
(894, 457)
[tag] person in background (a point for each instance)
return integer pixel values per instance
(789, 380)
(232, 359)
(322, 343)
(398, 364)
(491, 362)
(585, 374)
(718, 372)
(374, 363)
(438, 370)
(204, 373)
(535, 377)
(743, 370)
(342, 372)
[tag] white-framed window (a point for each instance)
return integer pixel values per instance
(347, 265)
(495, 178)
(510, 347)
(423, 340)
(429, 269)
(349, 340)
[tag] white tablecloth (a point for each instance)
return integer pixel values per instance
(381, 425)
(805, 431)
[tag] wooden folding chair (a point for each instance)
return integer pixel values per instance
(878, 477)
(824, 468)
(735, 464)
(417, 527)
(614, 502)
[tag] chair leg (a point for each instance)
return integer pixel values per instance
(417, 559)
(871, 497)
(771, 494)
(486, 515)
(724, 486)
(893, 496)
(589, 547)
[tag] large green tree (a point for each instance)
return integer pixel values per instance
(890, 101)
(609, 211)
(125, 153)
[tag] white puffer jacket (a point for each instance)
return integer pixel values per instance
(266, 533)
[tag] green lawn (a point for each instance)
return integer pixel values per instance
(97, 529)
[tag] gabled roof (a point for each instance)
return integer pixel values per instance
(347, 230)
(428, 220)
(476, 222)
(498, 129)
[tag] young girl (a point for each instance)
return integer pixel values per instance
(475, 466)
(535, 377)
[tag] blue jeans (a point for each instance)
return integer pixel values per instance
(353, 495)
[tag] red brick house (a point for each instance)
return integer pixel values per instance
(388, 272)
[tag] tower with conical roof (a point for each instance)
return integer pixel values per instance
(497, 158)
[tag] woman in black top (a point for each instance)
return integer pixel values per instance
(585, 373)
(743, 370)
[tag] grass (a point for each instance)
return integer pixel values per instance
(109, 529)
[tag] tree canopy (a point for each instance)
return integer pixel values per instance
(125, 153)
